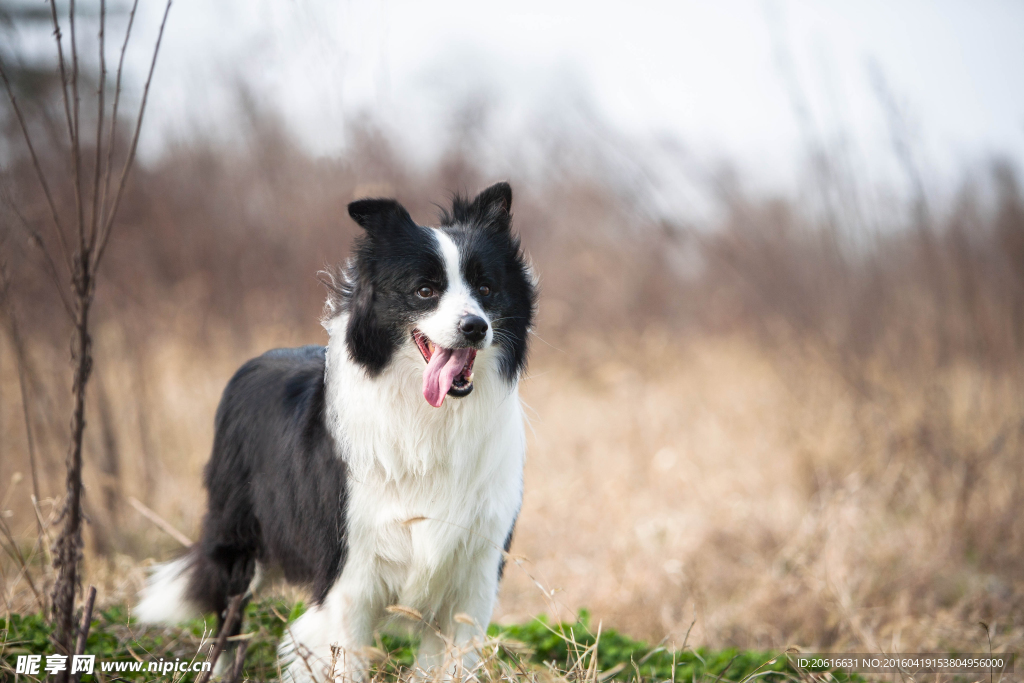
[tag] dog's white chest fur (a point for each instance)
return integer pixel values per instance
(433, 492)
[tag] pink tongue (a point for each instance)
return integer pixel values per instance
(441, 371)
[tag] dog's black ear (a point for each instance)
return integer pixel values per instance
(498, 196)
(493, 206)
(369, 343)
(379, 216)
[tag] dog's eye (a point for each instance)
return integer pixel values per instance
(484, 290)
(425, 292)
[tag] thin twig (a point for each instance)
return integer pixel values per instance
(101, 109)
(234, 612)
(76, 147)
(51, 267)
(592, 669)
(19, 354)
(20, 559)
(35, 162)
(164, 525)
(690, 628)
(72, 133)
(112, 138)
(236, 672)
(83, 630)
(63, 72)
(135, 142)
(44, 540)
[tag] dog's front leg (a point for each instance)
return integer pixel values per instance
(474, 609)
(455, 644)
(328, 642)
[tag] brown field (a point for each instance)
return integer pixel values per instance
(777, 430)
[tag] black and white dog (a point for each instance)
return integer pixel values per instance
(348, 469)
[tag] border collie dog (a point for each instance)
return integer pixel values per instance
(387, 467)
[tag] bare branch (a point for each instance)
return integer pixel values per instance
(112, 138)
(235, 676)
(37, 241)
(164, 525)
(83, 629)
(76, 147)
(234, 614)
(19, 354)
(15, 552)
(67, 549)
(35, 163)
(901, 138)
(63, 73)
(99, 129)
(135, 143)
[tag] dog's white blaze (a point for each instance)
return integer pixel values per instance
(458, 466)
(442, 325)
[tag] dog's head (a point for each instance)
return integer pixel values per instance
(444, 294)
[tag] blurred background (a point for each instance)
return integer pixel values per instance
(776, 392)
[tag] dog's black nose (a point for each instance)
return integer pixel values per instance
(473, 328)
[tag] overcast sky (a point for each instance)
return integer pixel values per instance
(724, 77)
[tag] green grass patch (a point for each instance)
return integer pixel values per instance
(538, 645)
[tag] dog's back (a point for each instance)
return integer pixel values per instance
(276, 489)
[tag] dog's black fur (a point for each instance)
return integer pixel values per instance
(276, 484)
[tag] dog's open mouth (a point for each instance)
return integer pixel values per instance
(448, 372)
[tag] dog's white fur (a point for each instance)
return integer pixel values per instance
(433, 493)
(164, 598)
(456, 302)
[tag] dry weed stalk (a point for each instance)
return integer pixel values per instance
(234, 615)
(93, 235)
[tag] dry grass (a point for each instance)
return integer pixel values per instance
(668, 481)
(778, 508)
(796, 432)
